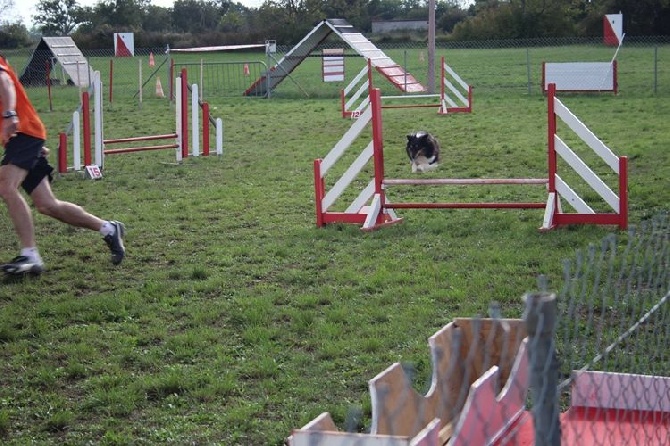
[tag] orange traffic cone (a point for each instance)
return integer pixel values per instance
(152, 62)
(159, 88)
(246, 69)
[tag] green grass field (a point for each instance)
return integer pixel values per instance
(234, 319)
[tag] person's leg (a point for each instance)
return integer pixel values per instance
(29, 260)
(46, 203)
(19, 212)
(21, 154)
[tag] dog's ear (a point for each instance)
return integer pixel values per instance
(410, 136)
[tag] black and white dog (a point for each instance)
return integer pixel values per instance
(423, 151)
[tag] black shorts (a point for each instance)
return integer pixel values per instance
(26, 152)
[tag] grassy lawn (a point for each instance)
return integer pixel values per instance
(234, 319)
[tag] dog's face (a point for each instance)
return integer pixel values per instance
(422, 144)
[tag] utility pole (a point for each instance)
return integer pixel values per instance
(431, 46)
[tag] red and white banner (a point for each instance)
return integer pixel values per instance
(124, 44)
(613, 29)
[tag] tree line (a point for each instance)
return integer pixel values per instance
(215, 22)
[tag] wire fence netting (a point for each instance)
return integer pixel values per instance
(517, 67)
(587, 364)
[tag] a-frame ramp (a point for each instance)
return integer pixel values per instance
(396, 74)
(57, 50)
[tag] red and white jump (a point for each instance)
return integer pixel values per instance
(372, 209)
(455, 95)
(177, 140)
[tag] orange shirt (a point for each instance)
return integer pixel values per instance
(29, 122)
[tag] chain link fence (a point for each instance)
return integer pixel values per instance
(588, 364)
(491, 67)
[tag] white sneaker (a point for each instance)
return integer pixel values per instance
(23, 265)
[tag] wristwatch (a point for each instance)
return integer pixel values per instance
(9, 114)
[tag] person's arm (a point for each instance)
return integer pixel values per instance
(8, 98)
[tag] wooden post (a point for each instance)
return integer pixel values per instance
(111, 78)
(540, 317)
(48, 81)
(431, 46)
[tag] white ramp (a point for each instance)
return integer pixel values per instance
(397, 75)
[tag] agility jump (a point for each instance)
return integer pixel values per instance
(455, 95)
(372, 209)
(589, 76)
(177, 140)
(581, 76)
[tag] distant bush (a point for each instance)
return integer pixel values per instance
(14, 35)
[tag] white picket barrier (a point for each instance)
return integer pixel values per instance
(455, 95)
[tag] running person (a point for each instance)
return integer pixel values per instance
(24, 164)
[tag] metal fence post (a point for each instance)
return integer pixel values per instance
(540, 317)
(655, 68)
(530, 81)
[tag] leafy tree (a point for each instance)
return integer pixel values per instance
(447, 15)
(85, 16)
(488, 24)
(57, 17)
(288, 21)
(196, 16)
(517, 19)
(285, 21)
(237, 19)
(385, 9)
(157, 19)
(14, 35)
(642, 17)
(122, 14)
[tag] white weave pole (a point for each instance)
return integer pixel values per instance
(76, 140)
(195, 121)
(219, 136)
(97, 104)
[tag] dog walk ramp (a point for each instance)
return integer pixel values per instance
(397, 75)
